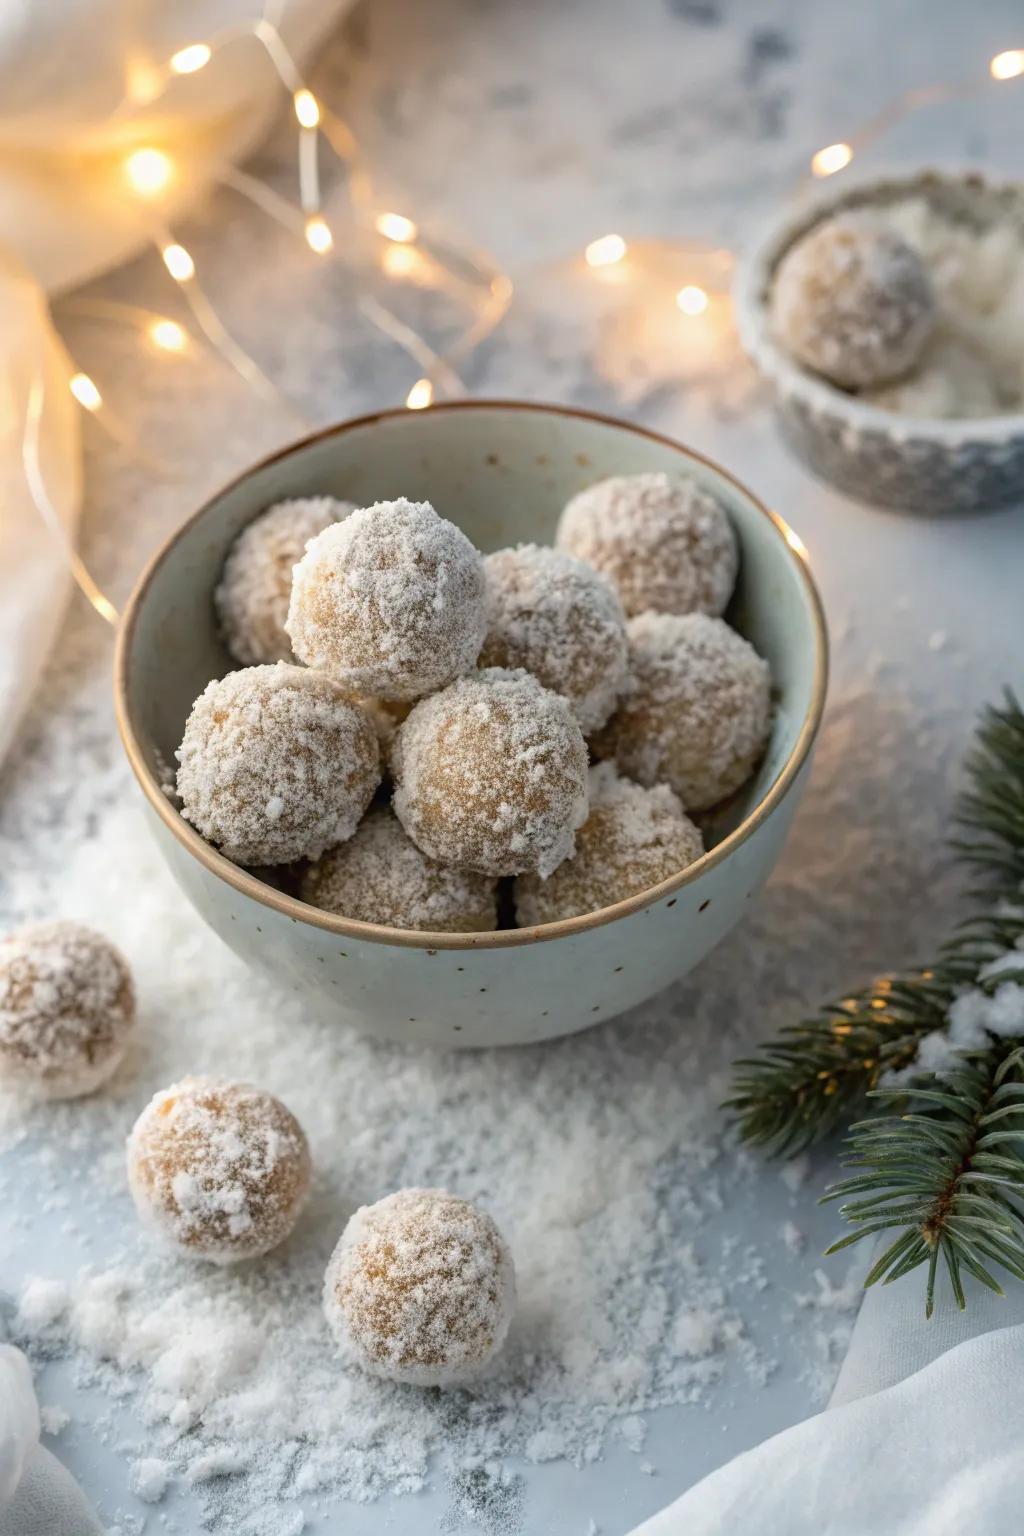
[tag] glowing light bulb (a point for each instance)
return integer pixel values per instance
(168, 335)
(395, 226)
(420, 396)
(400, 260)
(834, 157)
(85, 391)
(149, 171)
(307, 108)
(178, 263)
(318, 235)
(187, 60)
(605, 251)
(692, 300)
(1007, 65)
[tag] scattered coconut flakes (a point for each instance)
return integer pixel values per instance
(150, 1478)
(53, 1418)
(792, 1237)
(794, 1172)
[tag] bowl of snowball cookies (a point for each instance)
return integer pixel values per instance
(474, 725)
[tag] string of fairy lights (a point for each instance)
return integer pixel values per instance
(405, 251)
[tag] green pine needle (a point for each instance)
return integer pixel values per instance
(945, 1167)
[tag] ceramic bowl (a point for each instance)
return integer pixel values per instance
(502, 472)
(876, 455)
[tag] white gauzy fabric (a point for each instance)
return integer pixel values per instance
(921, 1438)
(79, 88)
(37, 1496)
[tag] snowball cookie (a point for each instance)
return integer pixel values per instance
(853, 301)
(420, 1288)
(67, 1008)
(391, 601)
(698, 710)
(277, 763)
(380, 876)
(252, 597)
(491, 775)
(633, 839)
(560, 620)
(219, 1169)
(662, 541)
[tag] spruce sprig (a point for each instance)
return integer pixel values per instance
(945, 1165)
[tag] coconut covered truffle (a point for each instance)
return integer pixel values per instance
(560, 620)
(663, 542)
(219, 1169)
(420, 1289)
(276, 764)
(633, 839)
(491, 775)
(698, 711)
(390, 601)
(853, 301)
(252, 596)
(380, 876)
(67, 1009)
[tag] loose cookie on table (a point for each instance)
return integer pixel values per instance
(420, 1289)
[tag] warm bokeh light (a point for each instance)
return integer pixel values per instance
(149, 171)
(307, 108)
(834, 157)
(794, 541)
(318, 235)
(692, 300)
(168, 335)
(420, 396)
(1007, 65)
(178, 263)
(85, 391)
(400, 260)
(395, 226)
(187, 60)
(605, 251)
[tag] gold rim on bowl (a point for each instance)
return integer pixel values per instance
(505, 938)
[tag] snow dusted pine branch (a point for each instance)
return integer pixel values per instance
(943, 1047)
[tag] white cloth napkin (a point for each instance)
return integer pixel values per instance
(922, 1436)
(37, 1496)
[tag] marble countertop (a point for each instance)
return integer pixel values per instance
(527, 130)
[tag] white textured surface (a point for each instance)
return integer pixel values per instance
(494, 120)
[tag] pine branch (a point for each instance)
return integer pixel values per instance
(947, 1174)
(803, 1085)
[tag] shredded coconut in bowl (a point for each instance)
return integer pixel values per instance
(390, 601)
(252, 596)
(559, 619)
(491, 775)
(663, 542)
(633, 839)
(698, 711)
(420, 1289)
(220, 1169)
(380, 876)
(67, 1007)
(276, 763)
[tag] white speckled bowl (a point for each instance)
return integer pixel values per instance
(876, 455)
(503, 472)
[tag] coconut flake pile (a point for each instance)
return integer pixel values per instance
(601, 1173)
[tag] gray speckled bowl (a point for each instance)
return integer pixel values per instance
(877, 455)
(503, 472)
